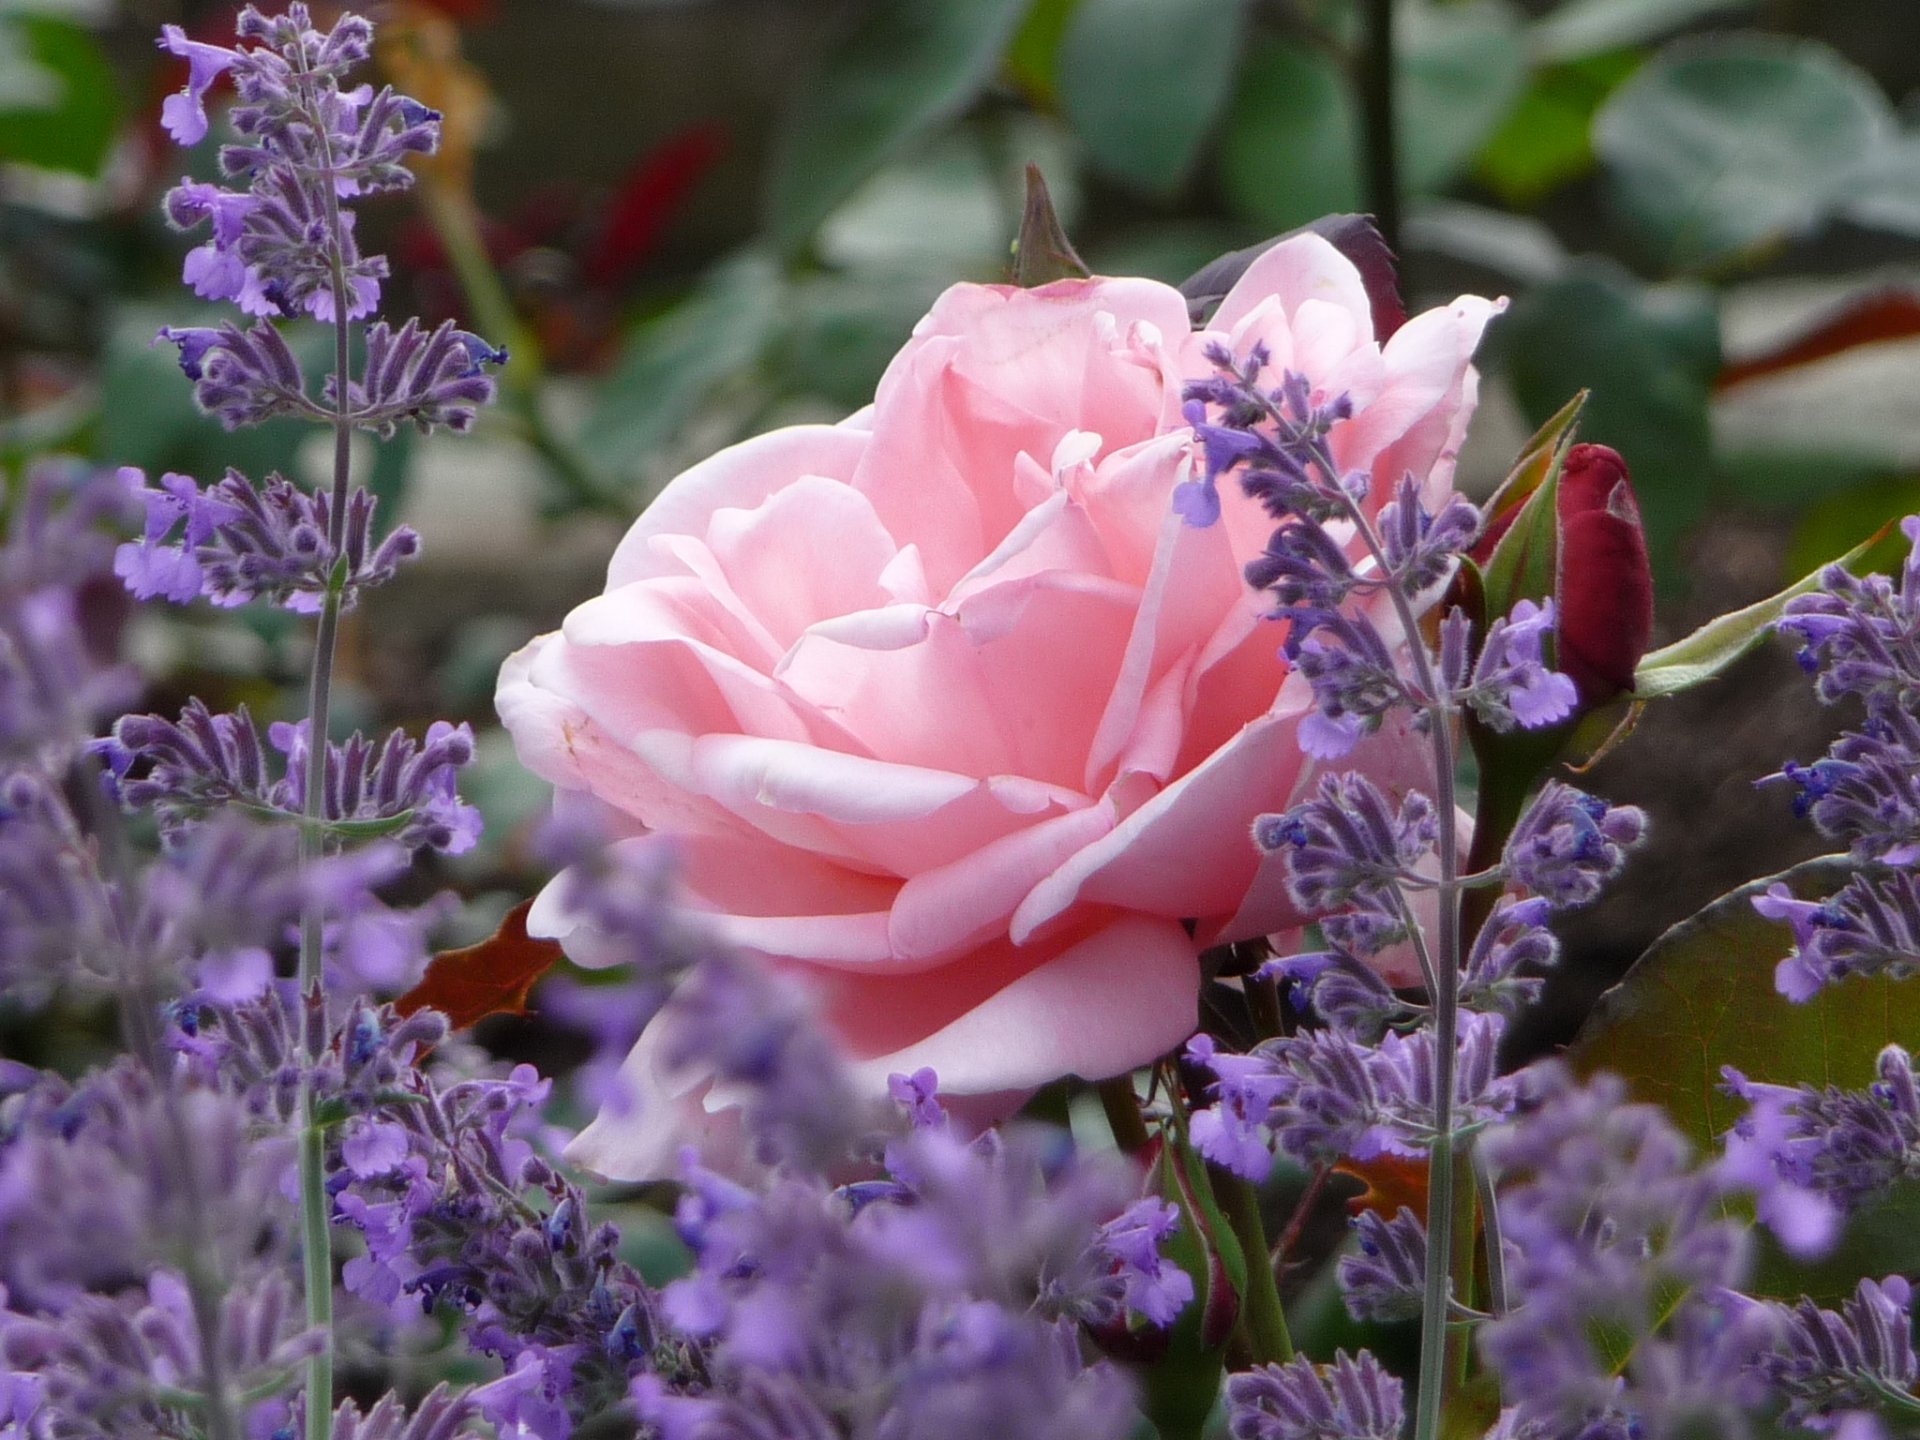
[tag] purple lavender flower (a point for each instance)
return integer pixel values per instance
(1355, 1398)
(400, 789)
(1324, 1095)
(1865, 791)
(242, 377)
(1423, 548)
(241, 544)
(1514, 938)
(1511, 684)
(1871, 927)
(1385, 1278)
(1859, 1359)
(1620, 1273)
(58, 622)
(428, 377)
(1355, 679)
(185, 115)
(1339, 988)
(1347, 845)
(1568, 844)
(1844, 1145)
(1861, 634)
(1153, 1288)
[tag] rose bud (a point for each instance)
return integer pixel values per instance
(1603, 582)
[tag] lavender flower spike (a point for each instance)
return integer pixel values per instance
(1568, 844)
(1355, 1398)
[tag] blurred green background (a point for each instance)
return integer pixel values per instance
(694, 219)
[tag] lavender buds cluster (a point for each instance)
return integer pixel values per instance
(1382, 1074)
(1860, 638)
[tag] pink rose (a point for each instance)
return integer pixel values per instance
(945, 708)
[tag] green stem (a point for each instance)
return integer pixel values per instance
(1122, 1107)
(1463, 1242)
(1443, 980)
(1261, 1314)
(315, 1209)
(1378, 124)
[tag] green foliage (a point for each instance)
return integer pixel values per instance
(1649, 355)
(1708, 651)
(1724, 145)
(1545, 140)
(1291, 149)
(674, 362)
(1144, 81)
(1703, 997)
(59, 98)
(1580, 29)
(1290, 152)
(897, 69)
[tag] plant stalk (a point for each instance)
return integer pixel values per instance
(1378, 122)
(1445, 982)
(316, 1247)
(1261, 1312)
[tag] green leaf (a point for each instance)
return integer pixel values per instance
(674, 362)
(1545, 140)
(1884, 191)
(1581, 28)
(25, 84)
(1290, 150)
(1722, 145)
(1539, 459)
(1182, 1385)
(147, 414)
(1144, 81)
(1033, 57)
(75, 130)
(1702, 997)
(1649, 355)
(893, 71)
(1462, 68)
(1708, 651)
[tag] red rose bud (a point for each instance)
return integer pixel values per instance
(1603, 580)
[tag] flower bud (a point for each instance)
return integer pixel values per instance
(1603, 581)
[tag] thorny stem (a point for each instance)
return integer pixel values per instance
(316, 1247)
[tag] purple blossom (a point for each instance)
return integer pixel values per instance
(1422, 549)
(1861, 1358)
(1567, 844)
(1323, 1095)
(1340, 989)
(401, 789)
(1348, 844)
(239, 544)
(1871, 927)
(1511, 684)
(1385, 1278)
(1620, 1272)
(242, 377)
(427, 377)
(1154, 1288)
(1512, 939)
(1866, 790)
(1355, 1398)
(1846, 1146)
(185, 115)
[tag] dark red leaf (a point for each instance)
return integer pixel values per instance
(491, 978)
(1863, 320)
